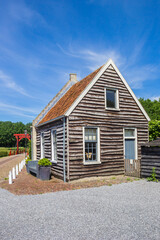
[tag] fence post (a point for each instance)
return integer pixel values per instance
(16, 169)
(20, 167)
(13, 173)
(10, 177)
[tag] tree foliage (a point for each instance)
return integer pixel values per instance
(151, 107)
(153, 110)
(154, 129)
(7, 131)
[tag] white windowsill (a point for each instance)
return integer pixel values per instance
(53, 161)
(113, 109)
(91, 163)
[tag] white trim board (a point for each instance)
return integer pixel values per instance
(98, 75)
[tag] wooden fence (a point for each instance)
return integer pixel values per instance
(150, 159)
(132, 168)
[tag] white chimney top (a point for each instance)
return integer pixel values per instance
(73, 77)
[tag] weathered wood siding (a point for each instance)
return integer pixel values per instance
(57, 168)
(91, 112)
(150, 159)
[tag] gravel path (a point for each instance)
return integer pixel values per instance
(125, 211)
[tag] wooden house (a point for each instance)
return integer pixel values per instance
(91, 127)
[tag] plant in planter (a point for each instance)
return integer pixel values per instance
(27, 160)
(44, 169)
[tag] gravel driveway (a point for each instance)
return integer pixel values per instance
(125, 211)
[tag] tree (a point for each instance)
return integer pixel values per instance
(7, 131)
(154, 129)
(153, 110)
(151, 107)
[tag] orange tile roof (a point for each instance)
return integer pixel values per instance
(69, 97)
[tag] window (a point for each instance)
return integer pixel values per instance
(54, 145)
(130, 143)
(111, 96)
(91, 145)
(42, 145)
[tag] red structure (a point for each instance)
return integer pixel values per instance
(19, 138)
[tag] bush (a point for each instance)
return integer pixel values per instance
(27, 160)
(153, 176)
(44, 162)
(29, 147)
(3, 153)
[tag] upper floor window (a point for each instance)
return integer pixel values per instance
(54, 145)
(111, 96)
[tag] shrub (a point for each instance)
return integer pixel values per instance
(153, 176)
(27, 160)
(44, 162)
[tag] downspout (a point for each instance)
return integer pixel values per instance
(31, 143)
(64, 167)
(67, 125)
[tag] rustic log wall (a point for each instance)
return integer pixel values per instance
(91, 112)
(57, 168)
(150, 159)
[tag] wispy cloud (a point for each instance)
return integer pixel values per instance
(19, 111)
(21, 12)
(155, 98)
(135, 73)
(94, 59)
(8, 82)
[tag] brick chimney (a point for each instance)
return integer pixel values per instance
(73, 77)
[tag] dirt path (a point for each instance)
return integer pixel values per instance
(7, 163)
(28, 184)
(4, 160)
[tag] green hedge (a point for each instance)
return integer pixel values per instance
(3, 153)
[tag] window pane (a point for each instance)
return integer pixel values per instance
(55, 151)
(129, 149)
(86, 134)
(94, 134)
(90, 134)
(129, 132)
(90, 151)
(110, 98)
(54, 136)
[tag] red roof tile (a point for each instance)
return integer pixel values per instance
(69, 97)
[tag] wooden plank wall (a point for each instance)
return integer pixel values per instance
(56, 169)
(150, 159)
(91, 112)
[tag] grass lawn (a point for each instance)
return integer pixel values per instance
(4, 151)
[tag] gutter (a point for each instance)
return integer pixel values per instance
(52, 120)
(64, 167)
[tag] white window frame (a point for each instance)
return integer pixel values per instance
(116, 99)
(52, 147)
(131, 137)
(98, 147)
(42, 146)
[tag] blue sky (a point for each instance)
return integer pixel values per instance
(42, 41)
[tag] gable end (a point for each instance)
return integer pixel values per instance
(110, 65)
